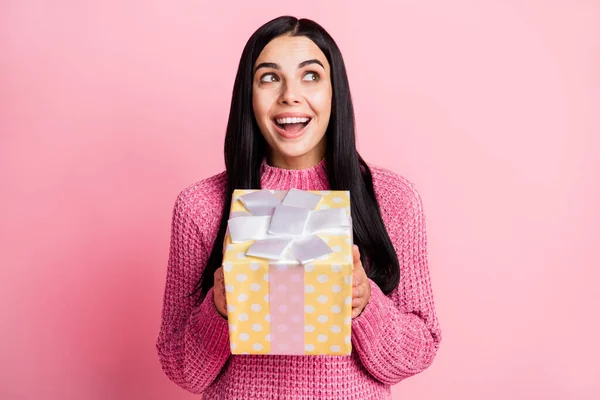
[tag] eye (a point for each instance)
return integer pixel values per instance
(311, 76)
(268, 78)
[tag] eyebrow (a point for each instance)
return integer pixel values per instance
(276, 66)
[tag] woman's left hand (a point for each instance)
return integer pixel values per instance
(361, 289)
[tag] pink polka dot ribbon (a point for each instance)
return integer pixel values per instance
(287, 309)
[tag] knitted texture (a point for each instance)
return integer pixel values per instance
(396, 336)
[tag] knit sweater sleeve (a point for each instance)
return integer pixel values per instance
(193, 342)
(397, 336)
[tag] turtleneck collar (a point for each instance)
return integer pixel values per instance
(311, 178)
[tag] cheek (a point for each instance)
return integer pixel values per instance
(321, 103)
(260, 107)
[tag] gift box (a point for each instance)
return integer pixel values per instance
(288, 266)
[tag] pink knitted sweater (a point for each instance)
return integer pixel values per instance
(396, 336)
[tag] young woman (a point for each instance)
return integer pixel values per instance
(291, 125)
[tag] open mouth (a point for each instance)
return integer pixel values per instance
(292, 126)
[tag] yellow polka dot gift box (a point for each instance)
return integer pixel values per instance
(288, 272)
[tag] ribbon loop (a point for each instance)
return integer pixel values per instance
(261, 202)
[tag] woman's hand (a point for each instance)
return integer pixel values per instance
(219, 292)
(361, 289)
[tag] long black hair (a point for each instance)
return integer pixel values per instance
(245, 148)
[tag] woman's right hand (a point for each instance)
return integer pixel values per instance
(219, 292)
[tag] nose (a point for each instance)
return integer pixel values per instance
(290, 94)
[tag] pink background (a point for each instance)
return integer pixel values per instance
(108, 109)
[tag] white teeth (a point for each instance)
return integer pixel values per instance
(294, 120)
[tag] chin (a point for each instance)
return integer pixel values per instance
(291, 153)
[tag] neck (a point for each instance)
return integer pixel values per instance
(292, 163)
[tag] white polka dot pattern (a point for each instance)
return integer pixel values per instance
(324, 324)
(247, 303)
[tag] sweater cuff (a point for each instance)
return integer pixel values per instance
(209, 325)
(366, 327)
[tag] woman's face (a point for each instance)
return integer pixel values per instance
(291, 98)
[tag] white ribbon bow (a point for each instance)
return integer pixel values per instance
(286, 231)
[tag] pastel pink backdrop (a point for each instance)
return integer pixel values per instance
(109, 109)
